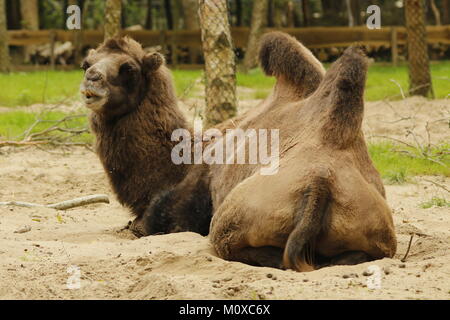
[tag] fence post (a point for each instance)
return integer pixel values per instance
(394, 46)
(220, 62)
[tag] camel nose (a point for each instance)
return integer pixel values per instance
(93, 75)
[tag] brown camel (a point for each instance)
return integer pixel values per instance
(134, 114)
(326, 204)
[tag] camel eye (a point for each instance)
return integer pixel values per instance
(126, 68)
(85, 65)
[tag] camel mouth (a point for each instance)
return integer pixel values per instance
(92, 96)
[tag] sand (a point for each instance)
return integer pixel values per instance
(113, 264)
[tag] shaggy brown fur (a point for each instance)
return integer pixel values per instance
(135, 113)
(283, 56)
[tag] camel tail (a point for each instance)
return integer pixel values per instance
(299, 251)
(281, 55)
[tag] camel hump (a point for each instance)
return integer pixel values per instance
(281, 55)
(342, 94)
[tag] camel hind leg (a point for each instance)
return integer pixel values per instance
(299, 251)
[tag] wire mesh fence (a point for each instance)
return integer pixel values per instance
(220, 61)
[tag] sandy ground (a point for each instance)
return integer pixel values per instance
(113, 264)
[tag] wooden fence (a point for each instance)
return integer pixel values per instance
(314, 37)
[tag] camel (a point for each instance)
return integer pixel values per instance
(326, 203)
(134, 112)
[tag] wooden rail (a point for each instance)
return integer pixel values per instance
(314, 37)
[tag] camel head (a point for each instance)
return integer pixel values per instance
(116, 76)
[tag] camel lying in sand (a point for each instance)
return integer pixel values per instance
(326, 203)
(134, 114)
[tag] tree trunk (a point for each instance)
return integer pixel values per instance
(239, 13)
(149, 19)
(445, 11)
(278, 10)
(13, 15)
(418, 60)
(29, 11)
(290, 14)
(190, 12)
(305, 11)
(4, 49)
(351, 19)
(169, 16)
(259, 17)
(113, 14)
(220, 61)
(436, 13)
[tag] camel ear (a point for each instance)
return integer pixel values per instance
(342, 93)
(152, 61)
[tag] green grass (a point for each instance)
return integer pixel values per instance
(14, 123)
(435, 202)
(23, 89)
(396, 167)
(26, 88)
(379, 85)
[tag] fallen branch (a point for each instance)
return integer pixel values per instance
(48, 137)
(64, 205)
(438, 185)
(20, 143)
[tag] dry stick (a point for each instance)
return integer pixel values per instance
(409, 247)
(438, 185)
(64, 205)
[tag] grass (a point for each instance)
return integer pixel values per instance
(435, 202)
(396, 167)
(23, 89)
(14, 123)
(26, 88)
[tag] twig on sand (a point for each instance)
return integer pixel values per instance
(409, 247)
(64, 205)
(438, 185)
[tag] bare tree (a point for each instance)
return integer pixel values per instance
(445, 12)
(4, 50)
(418, 59)
(436, 13)
(29, 11)
(113, 14)
(149, 18)
(259, 21)
(305, 12)
(190, 9)
(220, 61)
(351, 18)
